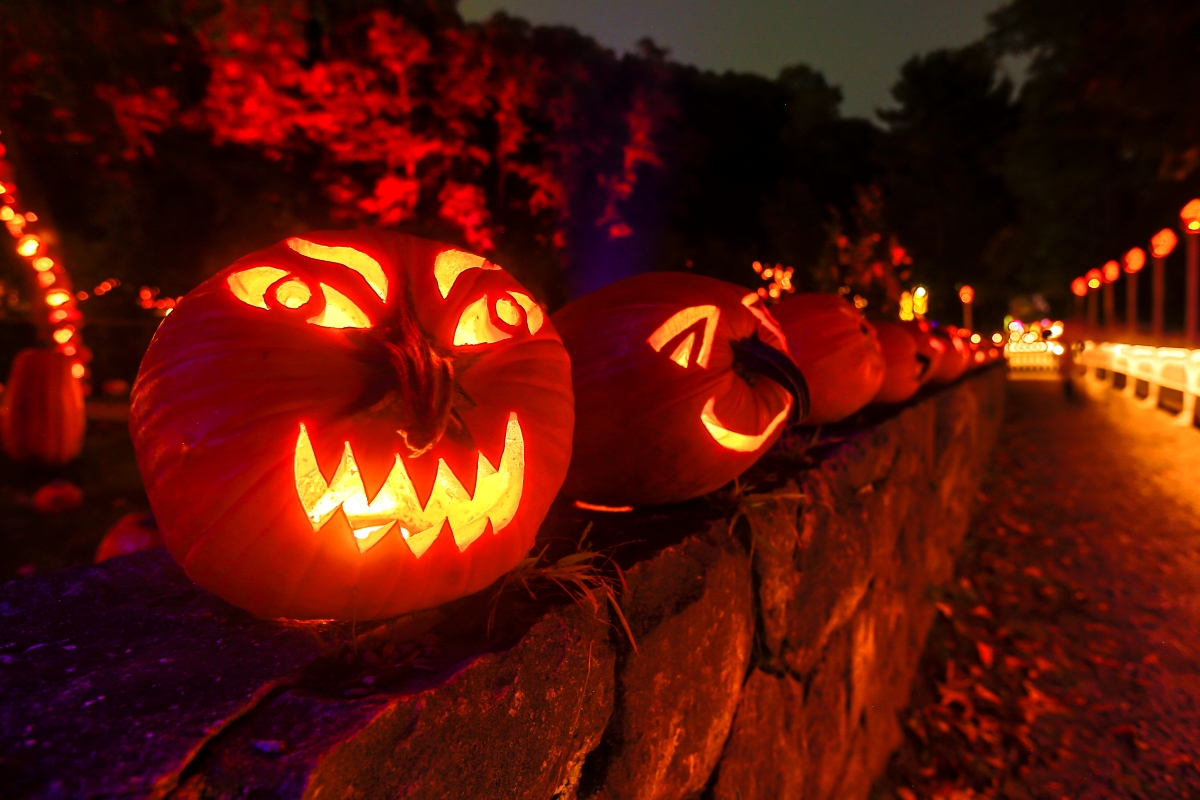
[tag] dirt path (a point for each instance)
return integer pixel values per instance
(1066, 661)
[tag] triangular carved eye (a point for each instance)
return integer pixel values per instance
(680, 322)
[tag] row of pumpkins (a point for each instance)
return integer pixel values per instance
(358, 424)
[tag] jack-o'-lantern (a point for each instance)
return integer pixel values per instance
(954, 361)
(904, 367)
(352, 424)
(930, 348)
(837, 351)
(681, 383)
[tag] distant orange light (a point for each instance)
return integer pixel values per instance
(57, 297)
(45, 279)
(63, 335)
(77, 370)
(43, 263)
(1163, 243)
(1134, 260)
(1112, 271)
(1190, 216)
(58, 315)
(28, 246)
(1094, 278)
(1079, 287)
(966, 294)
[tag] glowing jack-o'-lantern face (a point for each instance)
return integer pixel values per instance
(353, 424)
(681, 383)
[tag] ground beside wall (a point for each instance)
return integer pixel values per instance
(775, 632)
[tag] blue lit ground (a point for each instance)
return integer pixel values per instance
(1080, 584)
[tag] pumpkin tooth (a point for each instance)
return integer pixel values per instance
(397, 506)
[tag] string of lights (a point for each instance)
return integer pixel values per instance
(55, 308)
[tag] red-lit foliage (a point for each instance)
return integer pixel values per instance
(866, 262)
(454, 125)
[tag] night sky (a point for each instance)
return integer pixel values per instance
(858, 44)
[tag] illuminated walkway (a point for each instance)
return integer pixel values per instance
(1066, 662)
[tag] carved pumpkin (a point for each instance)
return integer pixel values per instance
(352, 424)
(837, 351)
(132, 533)
(956, 358)
(43, 418)
(904, 369)
(681, 383)
(930, 348)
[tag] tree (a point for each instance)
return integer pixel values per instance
(945, 151)
(1108, 147)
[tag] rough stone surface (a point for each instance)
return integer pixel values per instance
(103, 690)
(847, 562)
(778, 629)
(690, 609)
(511, 724)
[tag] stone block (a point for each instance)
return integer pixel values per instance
(516, 723)
(690, 609)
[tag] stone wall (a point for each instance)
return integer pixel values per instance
(775, 630)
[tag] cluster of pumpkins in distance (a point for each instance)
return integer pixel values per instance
(359, 424)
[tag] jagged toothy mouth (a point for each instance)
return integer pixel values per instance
(396, 505)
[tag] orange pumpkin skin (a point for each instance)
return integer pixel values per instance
(837, 350)
(930, 349)
(43, 416)
(903, 369)
(640, 434)
(955, 360)
(132, 533)
(237, 407)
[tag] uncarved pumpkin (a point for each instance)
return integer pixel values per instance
(352, 424)
(43, 418)
(681, 383)
(837, 350)
(132, 533)
(904, 370)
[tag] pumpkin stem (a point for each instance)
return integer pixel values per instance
(418, 384)
(753, 355)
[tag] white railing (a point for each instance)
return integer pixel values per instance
(1159, 367)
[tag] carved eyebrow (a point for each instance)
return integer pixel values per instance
(449, 264)
(356, 260)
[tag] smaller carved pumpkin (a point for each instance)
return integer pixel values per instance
(904, 370)
(930, 348)
(837, 351)
(681, 383)
(43, 415)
